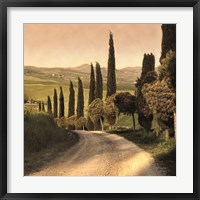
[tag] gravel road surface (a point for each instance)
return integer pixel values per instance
(102, 154)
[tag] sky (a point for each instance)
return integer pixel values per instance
(71, 45)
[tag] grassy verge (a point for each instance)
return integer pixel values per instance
(43, 140)
(163, 151)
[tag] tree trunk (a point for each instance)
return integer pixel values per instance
(101, 124)
(133, 121)
(166, 135)
(175, 125)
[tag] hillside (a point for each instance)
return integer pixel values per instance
(125, 76)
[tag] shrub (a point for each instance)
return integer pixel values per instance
(41, 131)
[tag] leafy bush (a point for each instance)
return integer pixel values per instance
(81, 123)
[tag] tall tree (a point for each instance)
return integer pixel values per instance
(168, 39)
(111, 76)
(43, 108)
(61, 104)
(148, 64)
(92, 86)
(80, 100)
(71, 105)
(49, 106)
(99, 82)
(148, 75)
(160, 94)
(55, 104)
(39, 106)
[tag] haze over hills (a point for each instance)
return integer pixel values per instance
(125, 76)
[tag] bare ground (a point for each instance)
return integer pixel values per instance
(102, 154)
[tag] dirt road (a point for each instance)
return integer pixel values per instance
(102, 154)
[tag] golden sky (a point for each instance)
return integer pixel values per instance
(71, 45)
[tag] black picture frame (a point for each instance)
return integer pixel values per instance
(4, 4)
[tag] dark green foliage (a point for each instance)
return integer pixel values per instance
(43, 108)
(71, 105)
(61, 104)
(49, 106)
(92, 95)
(39, 106)
(126, 103)
(90, 125)
(110, 110)
(148, 75)
(71, 122)
(167, 70)
(41, 131)
(148, 64)
(145, 121)
(92, 86)
(25, 97)
(55, 104)
(96, 113)
(99, 82)
(81, 123)
(168, 39)
(111, 76)
(80, 100)
(162, 100)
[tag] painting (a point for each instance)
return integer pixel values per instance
(99, 99)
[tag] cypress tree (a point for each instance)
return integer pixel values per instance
(111, 76)
(49, 106)
(148, 64)
(80, 100)
(55, 104)
(43, 108)
(99, 82)
(61, 103)
(168, 39)
(90, 124)
(39, 106)
(71, 104)
(92, 86)
(148, 75)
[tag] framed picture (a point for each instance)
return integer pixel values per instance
(99, 99)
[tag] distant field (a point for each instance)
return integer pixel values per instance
(38, 88)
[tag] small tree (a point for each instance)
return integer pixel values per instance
(126, 103)
(39, 106)
(99, 82)
(71, 122)
(110, 110)
(81, 123)
(80, 100)
(49, 106)
(43, 108)
(96, 113)
(61, 103)
(71, 105)
(55, 104)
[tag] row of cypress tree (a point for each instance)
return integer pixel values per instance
(95, 89)
(71, 105)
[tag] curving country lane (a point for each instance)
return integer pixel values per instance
(102, 154)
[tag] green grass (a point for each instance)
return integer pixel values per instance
(163, 151)
(38, 87)
(43, 140)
